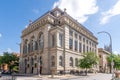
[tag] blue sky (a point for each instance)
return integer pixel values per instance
(96, 15)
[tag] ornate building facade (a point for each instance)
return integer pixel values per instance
(56, 42)
(103, 63)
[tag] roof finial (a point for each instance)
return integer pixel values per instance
(65, 9)
(57, 6)
(30, 21)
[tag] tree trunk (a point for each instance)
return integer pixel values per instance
(86, 72)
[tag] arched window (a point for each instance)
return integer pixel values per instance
(25, 47)
(41, 40)
(32, 43)
(36, 45)
(80, 47)
(76, 45)
(60, 39)
(76, 62)
(71, 61)
(61, 61)
(25, 62)
(70, 43)
(32, 61)
(40, 60)
(52, 61)
(29, 47)
(53, 40)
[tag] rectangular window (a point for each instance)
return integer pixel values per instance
(36, 45)
(83, 48)
(90, 43)
(27, 65)
(76, 35)
(60, 40)
(87, 48)
(35, 65)
(70, 43)
(71, 33)
(53, 40)
(86, 41)
(53, 64)
(90, 49)
(28, 48)
(80, 47)
(76, 46)
(80, 38)
(83, 39)
(60, 61)
(95, 46)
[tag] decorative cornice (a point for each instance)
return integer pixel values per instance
(104, 51)
(41, 22)
(64, 19)
(79, 28)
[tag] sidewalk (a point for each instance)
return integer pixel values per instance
(90, 76)
(66, 76)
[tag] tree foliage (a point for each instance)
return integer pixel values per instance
(89, 59)
(116, 61)
(10, 59)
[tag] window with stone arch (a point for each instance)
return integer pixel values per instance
(53, 40)
(71, 61)
(60, 39)
(41, 40)
(53, 61)
(32, 43)
(60, 60)
(25, 50)
(40, 60)
(76, 62)
(32, 61)
(25, 62)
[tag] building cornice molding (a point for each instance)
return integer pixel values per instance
(79, 28)
(104, 51)
(64, 19)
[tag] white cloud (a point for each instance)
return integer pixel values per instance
(0, 35)
(36, 11)
(26, 26)
(78, 9)
(9, 50)
(106, 16)
(115, 52)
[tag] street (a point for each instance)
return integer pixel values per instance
(98, 76)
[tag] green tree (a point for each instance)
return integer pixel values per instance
(89, 59)
(10, 59)
(116, 60)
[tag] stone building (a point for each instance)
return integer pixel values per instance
(103, 63)
(54, 42)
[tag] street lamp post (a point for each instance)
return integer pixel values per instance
(110, 51)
